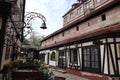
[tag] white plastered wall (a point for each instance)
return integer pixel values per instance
(80, 58)
(52, 63)
(106, 57)
(118, 51)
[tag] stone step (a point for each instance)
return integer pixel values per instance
(61, 70)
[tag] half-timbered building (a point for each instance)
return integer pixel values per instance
(11, 25)
(88, 45)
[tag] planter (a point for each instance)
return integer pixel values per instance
(6, 71)
(26, 74)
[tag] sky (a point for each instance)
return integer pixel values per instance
(53, 10)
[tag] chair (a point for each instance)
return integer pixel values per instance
(59, 78)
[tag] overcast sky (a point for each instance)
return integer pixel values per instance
(53, 10)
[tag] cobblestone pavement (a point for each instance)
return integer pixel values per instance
(68, 76)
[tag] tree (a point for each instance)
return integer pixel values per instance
(25, 41)
(35, 38)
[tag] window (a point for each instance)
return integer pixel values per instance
(86, 58)
(91, 59)
(62, 59)
(88, 24)
(73, 56)
(77, 28)
(63, 34)
(80, 10)
(103, 17)
(65, 19)
(98, 0)
(53, 56)
(71, 14)
(89, 4)
(7, 50)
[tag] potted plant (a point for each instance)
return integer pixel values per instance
(11, 65)
(6, 68)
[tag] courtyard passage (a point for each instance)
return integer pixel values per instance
(67, 76)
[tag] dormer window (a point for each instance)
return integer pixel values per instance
(98, 1)
(80, 10)
(65, 19)
(89, 5)
(71, 14)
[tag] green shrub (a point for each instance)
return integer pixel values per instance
(47, 74)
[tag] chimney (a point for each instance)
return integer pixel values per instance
(74, 5)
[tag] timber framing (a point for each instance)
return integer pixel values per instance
(91, 42)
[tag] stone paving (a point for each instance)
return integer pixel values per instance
(68, 76)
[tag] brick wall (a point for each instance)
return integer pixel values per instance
(112, 17)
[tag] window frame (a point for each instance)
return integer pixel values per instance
(79, 10)
(73, 60)
(103, 17)
(52, 58)
(7, 53)
(66, 19)
(63, 34)
(77, 28)
(89, 4)
(98, 1)
(72, 14)
(87, 60)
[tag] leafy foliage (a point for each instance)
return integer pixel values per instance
(34, 39)
(26, 41)
(12, 64)
(47, 73)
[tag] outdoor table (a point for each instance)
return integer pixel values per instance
(26, 74)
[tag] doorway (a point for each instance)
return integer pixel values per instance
(91, 58)
(62, 59)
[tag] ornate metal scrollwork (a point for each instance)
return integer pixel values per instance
(28, 21)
